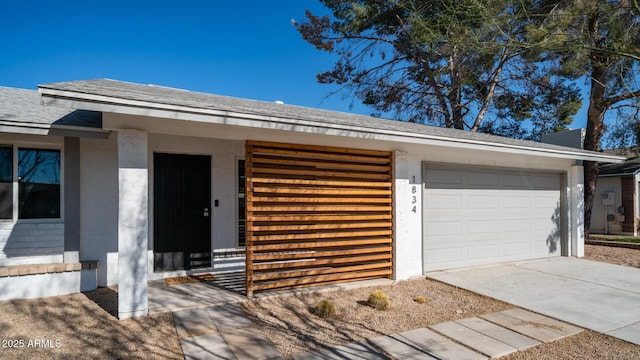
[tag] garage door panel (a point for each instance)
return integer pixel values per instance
(482, 180)
(546, 200)
(516, 181)
(486, 226)
(445, 201)
(549, 182)
(547, 225)
(499, 215)
(517, 249)
(516, 225)
(482, 201)
(483, 252)
(447, 255)
(516, 201)
(444, 179)
(443, 228)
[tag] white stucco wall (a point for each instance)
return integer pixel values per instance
(408, 171)
(99, 198)
(133, 223)
(225, 145)
(99, 206)
(407, 218)
(44, 285)
(31, 243)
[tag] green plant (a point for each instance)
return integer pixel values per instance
(378, 300)
(325, 309)
(421, 299)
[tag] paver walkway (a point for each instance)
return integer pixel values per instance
(523, 330)
(221, 332)
(224, 332)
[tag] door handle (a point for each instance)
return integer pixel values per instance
(206, 212)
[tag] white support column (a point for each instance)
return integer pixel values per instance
(576, 200)
(133, 223)
(407, 219)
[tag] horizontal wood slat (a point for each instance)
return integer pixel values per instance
(326, 226)
(325, 191)
(322, 183)
(318, 218)
(298, 245)
(320, 200)
(321, 280)
(316, 215)
(318, 163)
(314, 254)
(312, 262)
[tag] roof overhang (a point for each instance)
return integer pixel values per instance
(111, 104)
(22, 127)
(625, 174)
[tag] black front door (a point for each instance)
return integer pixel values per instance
(182, 208)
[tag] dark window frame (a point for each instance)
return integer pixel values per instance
(6, 182)
(241, 202)
(41, 197)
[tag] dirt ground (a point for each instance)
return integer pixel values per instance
(84, 326)
(613, 255)
(289, 323)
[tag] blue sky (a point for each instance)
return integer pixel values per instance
(247, 49)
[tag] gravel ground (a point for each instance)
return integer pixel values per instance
(79, 326)
(613, 255)
(84, 326)
(289, 323)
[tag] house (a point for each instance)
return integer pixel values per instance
(148, 182)
(616, 206)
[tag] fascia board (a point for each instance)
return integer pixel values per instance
(143, 108)
(23, 128)
(78, 131)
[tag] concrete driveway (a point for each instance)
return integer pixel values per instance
(594, 295)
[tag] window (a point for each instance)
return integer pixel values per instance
(6, 183)
(39, 183)
(241, 203)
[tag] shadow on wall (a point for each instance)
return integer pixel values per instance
(99, 206)
(36, 243)
(554, 238)
(137, 274)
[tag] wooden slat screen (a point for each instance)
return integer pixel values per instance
(316, 215)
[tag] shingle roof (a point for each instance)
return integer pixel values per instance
(629, 167)
(176, 97)
(22, 106)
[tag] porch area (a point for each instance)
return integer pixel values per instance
(228, 288)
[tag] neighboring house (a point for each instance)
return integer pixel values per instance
(152, 182)
(616, 204)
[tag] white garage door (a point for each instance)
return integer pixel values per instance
(478, 216)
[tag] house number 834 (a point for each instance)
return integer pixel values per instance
(414, 199)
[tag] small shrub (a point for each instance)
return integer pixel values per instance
(378, 300)
(325, 309)
(421, 299)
